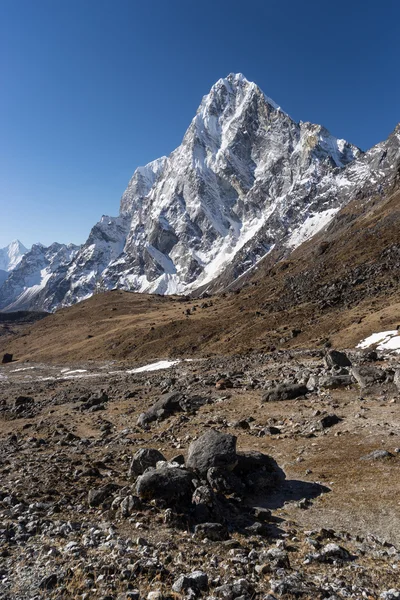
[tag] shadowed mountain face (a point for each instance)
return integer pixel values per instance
(246, 182)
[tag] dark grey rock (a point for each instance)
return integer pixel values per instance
(196, 581)
(369, 355)
(167, 405)
(49, 582)
(284, 392)
(293, 585)
(261, 514)
(215, 532)
(329, 421)
(213, 449)
(224, 482)
(270, 430)
(331, 552)
(331, 382)
(238, 589)
(258, 471)
(278, 559)
(23, 401)
(393, 594)
(98, 496)
(170, 485)
(7, 358)
(334, 358)
(179, 459)
(207, 508)
(129, 505)
(367, 375)
(143, 459)
(96, 401)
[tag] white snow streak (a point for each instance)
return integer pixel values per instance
(311, 226)
(157, 366)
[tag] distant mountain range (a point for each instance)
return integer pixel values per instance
(247, 181)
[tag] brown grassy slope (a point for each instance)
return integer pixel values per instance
(342, 285)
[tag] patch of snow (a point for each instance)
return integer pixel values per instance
(384, 340)
(80, 375)
(162, 259)
(161, 364)
(226, 251)
(311, 226)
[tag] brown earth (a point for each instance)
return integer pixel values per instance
(48, 453)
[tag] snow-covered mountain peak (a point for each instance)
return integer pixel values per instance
(246, 179)
(229, 95)
(11, 255)
(235, 85)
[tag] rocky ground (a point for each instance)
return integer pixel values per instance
(260, 476)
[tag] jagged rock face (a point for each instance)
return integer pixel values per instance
(246, 179)
(104, 244)
(298, 217)
(3, 276)
(38, 279)
(240, 156)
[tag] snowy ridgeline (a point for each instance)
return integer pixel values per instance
(245, 179)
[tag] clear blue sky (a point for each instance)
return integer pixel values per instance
(91, 89)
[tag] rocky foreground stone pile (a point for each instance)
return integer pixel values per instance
(155, 488)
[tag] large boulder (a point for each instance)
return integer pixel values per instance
(284, 392)
(207, 506)
(213, 449)
(170, 485)
(240, 588)
(211, 531)
(224, 482)
(104, 494)
(166, 406)
(367, 375)
(195, 582)
(329, 421)
(334, 358)
(143, 459)
(329, 382)
(258, 471)
(7, 358)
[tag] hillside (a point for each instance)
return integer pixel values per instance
(340, 286)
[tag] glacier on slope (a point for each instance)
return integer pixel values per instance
(245, 178)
